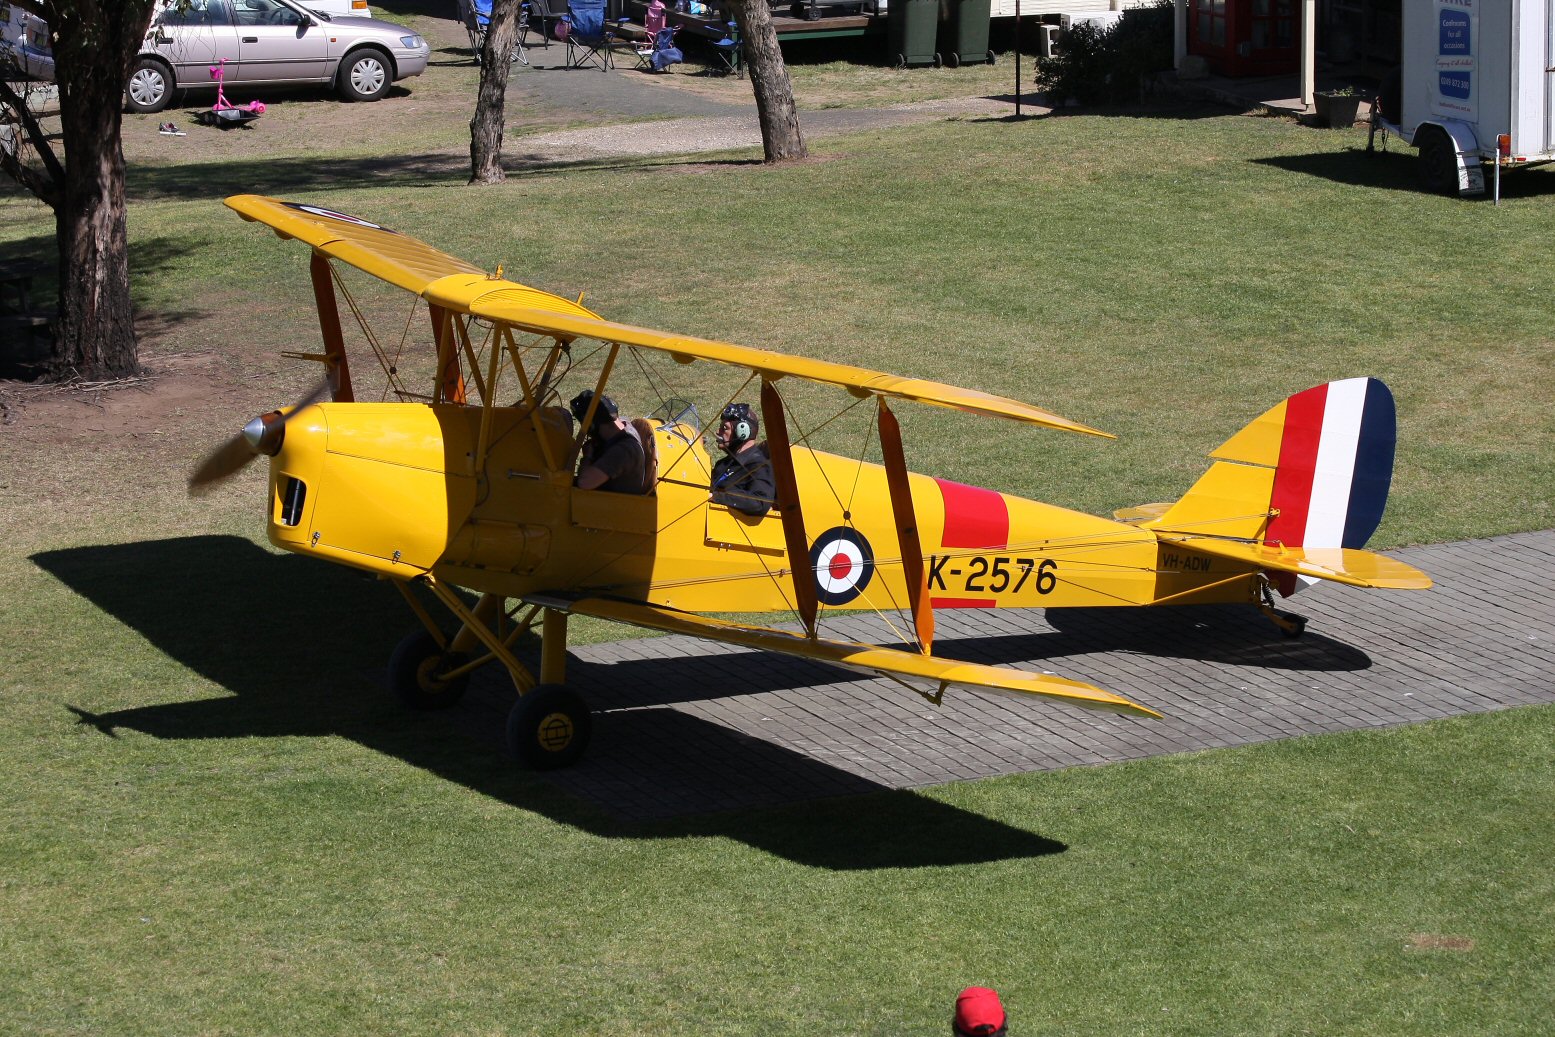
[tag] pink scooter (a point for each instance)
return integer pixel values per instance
(224, 113)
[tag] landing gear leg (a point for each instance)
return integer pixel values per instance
(1290, 624)
(549, 726)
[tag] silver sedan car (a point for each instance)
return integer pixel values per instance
(269, 43)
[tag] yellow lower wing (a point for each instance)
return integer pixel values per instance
(1340, 564)
(931, 674)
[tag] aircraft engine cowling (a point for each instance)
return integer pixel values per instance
(381, 487)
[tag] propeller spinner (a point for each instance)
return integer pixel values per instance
(262, 435)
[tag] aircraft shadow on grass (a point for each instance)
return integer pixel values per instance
(302, 648)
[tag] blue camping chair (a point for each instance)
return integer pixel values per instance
(728, 52)
(659, 52)
(588, 35)
(476, 16)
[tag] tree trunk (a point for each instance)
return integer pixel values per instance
(95, 338)
(780, 137)
(487, 125)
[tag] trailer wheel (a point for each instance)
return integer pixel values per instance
(1438, 161)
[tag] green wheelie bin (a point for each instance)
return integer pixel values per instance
(910, 26)
(963, 32)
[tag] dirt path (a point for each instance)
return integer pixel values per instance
(740, 130)
(696, 123)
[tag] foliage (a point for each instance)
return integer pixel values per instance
(1111, 65)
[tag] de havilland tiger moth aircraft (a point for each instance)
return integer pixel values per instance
(449, 487)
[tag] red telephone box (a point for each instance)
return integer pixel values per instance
(1246, 37)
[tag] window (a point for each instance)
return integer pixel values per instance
(198, 13)
(266, 12)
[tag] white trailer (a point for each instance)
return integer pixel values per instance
(1475, 87)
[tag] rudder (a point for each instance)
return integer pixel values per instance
(1311, 472)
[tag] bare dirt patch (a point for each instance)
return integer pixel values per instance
(177, 395)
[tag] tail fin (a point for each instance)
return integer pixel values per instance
(1312, 472)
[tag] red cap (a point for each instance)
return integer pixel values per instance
(978, 1013)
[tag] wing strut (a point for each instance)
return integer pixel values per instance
(450, 382)
(788, 504)
(906, 526)
(329, 327)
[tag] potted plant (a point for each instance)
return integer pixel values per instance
(1338, 108)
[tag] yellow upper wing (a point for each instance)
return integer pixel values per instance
(402, 261)
(465, 288)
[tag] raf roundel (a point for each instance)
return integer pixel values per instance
(843, 563)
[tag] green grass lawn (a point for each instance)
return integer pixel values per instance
(324, 864)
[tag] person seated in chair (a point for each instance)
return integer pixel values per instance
(613, 457)
(742, 478)
(653, 18)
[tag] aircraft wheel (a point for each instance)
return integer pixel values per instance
(1297, 627)
(549, 728)
(413, 673)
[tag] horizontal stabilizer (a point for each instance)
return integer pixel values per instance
(928, 673)
(1341, 564)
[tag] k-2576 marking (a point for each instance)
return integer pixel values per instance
(992, 574)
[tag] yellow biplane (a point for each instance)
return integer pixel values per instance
(454, 489)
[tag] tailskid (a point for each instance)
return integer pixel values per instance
(1290, 624)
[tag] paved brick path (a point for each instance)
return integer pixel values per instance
(687, 727)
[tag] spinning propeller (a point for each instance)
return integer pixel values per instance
(263, 435)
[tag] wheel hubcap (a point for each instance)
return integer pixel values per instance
(367, 76)
(427, 675)
(146, 87)
(555, 732)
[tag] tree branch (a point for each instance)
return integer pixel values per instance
(49, 186)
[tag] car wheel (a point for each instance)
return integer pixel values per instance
(150, 87)
(365, 76)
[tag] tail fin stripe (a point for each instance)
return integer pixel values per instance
(1373, 466)
(1334, 470)
(1292, 494)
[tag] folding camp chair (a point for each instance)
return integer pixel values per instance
(588, 35)
(658, 52)
(549, 14)
(476, 16)
(728, 52)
